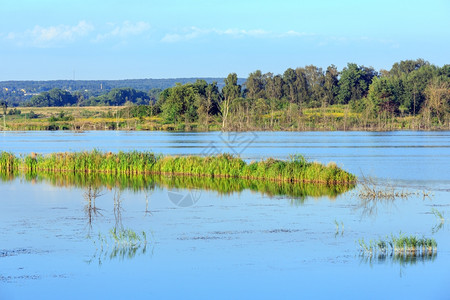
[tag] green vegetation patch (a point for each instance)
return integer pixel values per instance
(297, 169)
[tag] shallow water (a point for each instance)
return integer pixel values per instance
(237, 244)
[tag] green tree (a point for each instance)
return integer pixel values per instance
(290, 87)
(331, 85)
(354, 82)
(255, 85)
(231, 91)
(407, 66)
(437, 104)
(316, 84)
(385, 94)
(180, 105)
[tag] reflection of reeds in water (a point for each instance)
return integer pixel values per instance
(399, 246)
(373, 194)
(369, 189)
(119, 244)
(146, 183)
(90, 196)
(400, 259)
(440, 216)
(297, 169)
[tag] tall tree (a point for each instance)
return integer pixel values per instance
(316, 84)
(438, 100)
(407, 66)
(302, 87)
(290, 87)
(231, 91)
(331, 85)
(255, 85)
(274, 86)
(354, 82)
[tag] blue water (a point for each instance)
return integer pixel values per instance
(243, 245)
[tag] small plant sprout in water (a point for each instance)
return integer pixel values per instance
(339, 227)
(439, 215)
(398, 246)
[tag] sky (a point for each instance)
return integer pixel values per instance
(132, 39)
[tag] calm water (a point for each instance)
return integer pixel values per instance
(230, 243)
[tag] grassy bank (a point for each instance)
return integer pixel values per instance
(297, 169)
(332, 118)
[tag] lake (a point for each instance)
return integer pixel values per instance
(226, 239)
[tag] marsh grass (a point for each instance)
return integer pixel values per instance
(297, 169)
(398, 246)
(369, 189)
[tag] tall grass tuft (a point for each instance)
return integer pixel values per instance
(399, 245)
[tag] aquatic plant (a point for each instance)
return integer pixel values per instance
(441, 220)
(224, 165)
(371, 190)
(341, 225)
(398, 245)
(438, 215)
(8, 162)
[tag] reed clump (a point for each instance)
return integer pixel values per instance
(8, 162)
(399, 245)
(297, 169)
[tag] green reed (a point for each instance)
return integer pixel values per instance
(399, 245)
(297, 169)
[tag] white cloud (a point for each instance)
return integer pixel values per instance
(124, 30)
(194, 32)
(51, 36)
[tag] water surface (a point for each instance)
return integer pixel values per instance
(230, 242)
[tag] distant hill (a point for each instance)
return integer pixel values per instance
(18, 91)
(101, 85)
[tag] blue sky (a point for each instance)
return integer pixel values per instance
(50, 39)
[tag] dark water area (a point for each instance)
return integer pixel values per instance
(225, 239)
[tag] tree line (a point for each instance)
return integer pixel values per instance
(409, 88)
(116, 97)
(403, 90)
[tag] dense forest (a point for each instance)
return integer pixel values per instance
(268, 101)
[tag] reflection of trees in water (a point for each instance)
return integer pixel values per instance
(147, 193)
(117, 197)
